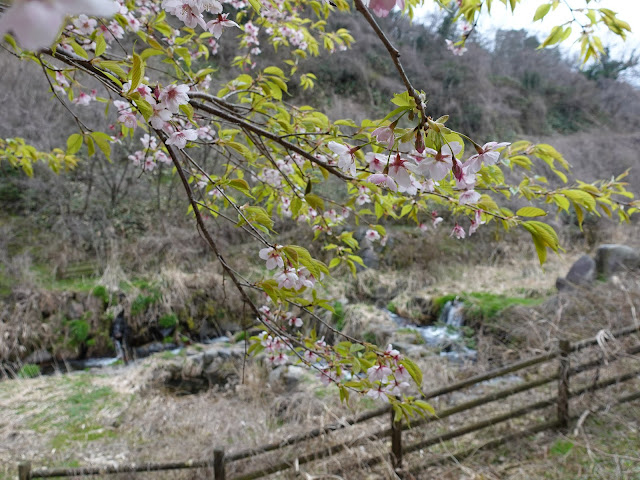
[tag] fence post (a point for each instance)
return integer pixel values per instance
(218, 464)
(24, 471)
(563, 385)
(396, 441)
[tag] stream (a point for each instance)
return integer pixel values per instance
(445, 333)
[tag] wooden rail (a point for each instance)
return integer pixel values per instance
(221, 460)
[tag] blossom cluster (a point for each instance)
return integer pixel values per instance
(419, 170)
(287, 276)
(389, 377)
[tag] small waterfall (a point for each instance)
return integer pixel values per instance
(452, 313)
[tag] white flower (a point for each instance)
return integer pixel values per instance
(272, 256)
(372, 235)
(379, 373)
(180, 138)
(172, 96)
(218, 25)
(36, 23)
(346, 157)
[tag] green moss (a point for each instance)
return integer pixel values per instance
(483, 305)
(29, 370)
(100, 291)
(392, 307)
(489, 305)
(168, 321)
(143, 301)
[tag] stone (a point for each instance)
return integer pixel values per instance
(583, 271)
(288, 376)
(39, 356)
(611, 258)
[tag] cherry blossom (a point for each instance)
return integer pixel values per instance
(378, 394)
(180, 138)
(384, 135)
(487, 154)
(379, 373)
(217, 26)
(398, 171)
(287, 278)
(383, 180)
(435, 219)
(172, 96)
(36, 23)
(376, 161)
(128, 118)
(469, 197)
(160, 116)
(372, 235)
(272, 256)
(295, 322)
(476, 222)
(455, 49)
(346, 156)
(436, 164)
(382, 7)
(85, 25)
(458, 232)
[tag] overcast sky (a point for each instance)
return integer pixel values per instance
(502, 18)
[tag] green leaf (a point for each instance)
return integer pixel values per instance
(256, 5)
(101, 45)
(413, 370)
(531, 212)
(104, 143)
(315, 202)
(425, 406)
(137, 72)
(241, 185)
(74, 143)
(541, 12)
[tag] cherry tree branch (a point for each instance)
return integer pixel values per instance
(395, 57)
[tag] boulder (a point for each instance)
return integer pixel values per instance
(582, 272)
(611, 258)
(288, 376)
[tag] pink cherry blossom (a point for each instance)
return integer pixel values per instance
(287, 278)
(376, 161)
(180, 138)
(383, 180)
(346, 156)
(129, 119)
(436, 164)
(172, 96)
(82, 99)
(378, 394)
(398, 171)
(372, 235)
(295, 322)
(272, 256)
(218, 25)
(160, 116)
(85, 25)
(487, 154)
(458, 232)
(36, 23)
(384, 135)
(379, 373)
(469, 197)
(476, 222)
(455, 49)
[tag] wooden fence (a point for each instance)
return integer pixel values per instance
(221, 461)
